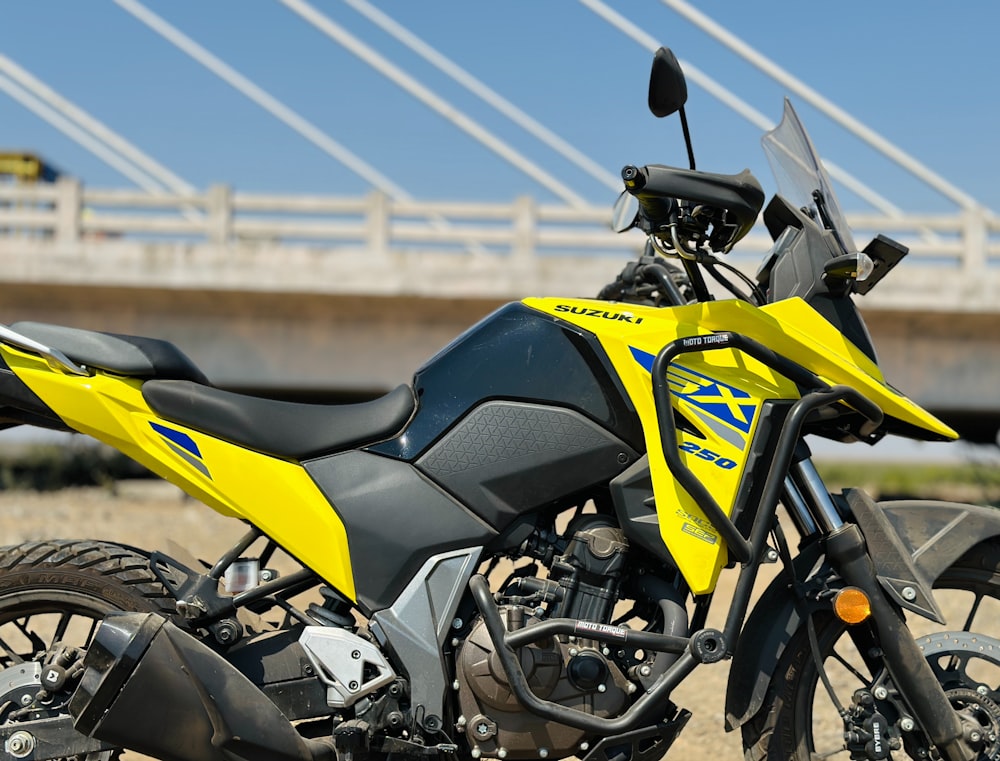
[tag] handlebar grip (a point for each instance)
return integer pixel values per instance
(657, 209)
(634, 179)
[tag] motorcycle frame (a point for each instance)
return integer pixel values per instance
(846, 548)
(705, 645)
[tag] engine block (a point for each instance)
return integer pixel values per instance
(576, 674)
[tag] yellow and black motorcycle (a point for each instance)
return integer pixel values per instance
(621, 451)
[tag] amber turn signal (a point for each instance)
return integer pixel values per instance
(851, 605)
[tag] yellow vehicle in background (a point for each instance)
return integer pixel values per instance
(21, 166)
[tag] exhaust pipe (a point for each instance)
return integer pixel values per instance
(150, 687)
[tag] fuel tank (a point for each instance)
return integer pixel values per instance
(516, 354)
(520, 411)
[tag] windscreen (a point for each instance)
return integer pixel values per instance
(799, 174)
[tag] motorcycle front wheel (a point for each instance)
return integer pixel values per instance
(54, 594)
(800, 720)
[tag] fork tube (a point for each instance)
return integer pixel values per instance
(797, 508)
(812, 489)
(906, 663)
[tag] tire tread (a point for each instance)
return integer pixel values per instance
(113, 563)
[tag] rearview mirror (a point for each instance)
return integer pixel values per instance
(625, 213)
(667, 87)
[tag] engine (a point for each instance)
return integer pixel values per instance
(574, 672)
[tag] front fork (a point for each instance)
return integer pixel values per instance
(848, 553)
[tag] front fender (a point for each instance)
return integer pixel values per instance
(935, 534)
(771, 624)
(939, 533)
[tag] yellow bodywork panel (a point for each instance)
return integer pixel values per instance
(721, 394)
(276, 496)
(811, 341)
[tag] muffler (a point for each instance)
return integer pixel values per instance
(150, 687)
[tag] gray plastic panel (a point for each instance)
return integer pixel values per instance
(396, 520)
(505, 458)
(417, 624)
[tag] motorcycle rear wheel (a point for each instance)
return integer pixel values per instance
(799, 721)
(58, 591)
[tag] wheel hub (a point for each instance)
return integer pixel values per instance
(980, 721)
(30, 714)
(961, 660)
(20, 684)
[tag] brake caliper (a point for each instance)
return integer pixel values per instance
(867, 732)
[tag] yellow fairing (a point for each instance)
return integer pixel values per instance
(721, 393)
(274, 495)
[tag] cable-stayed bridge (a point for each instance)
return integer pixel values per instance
(351, 293)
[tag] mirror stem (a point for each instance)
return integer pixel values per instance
(687, 137)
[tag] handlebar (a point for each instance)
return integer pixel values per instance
(697, 209)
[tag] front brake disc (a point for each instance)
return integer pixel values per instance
(967, 665)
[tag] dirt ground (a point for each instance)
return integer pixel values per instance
(155, 515)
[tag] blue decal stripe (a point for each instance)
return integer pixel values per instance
(739, 393)
(644, 358)
(177, 437)
(718, 399)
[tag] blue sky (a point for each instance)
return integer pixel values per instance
(920, 73)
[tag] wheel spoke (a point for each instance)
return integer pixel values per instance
(90, 635)
(37, 643)
(850, 667)
(14, 657)
(953, 665)
(972, 613)
(61, 627)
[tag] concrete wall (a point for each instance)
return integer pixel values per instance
(292, 342)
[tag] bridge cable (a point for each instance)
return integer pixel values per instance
(755, 117)
(487, 94)
(735, 103)
(264, 99)
(77, 134)
(839, 115)
(280, 111)
(95, 127)
(433, 101)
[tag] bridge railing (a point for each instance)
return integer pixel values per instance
(67, 212)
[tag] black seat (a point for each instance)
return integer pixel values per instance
(133, 356)
(289, 430)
